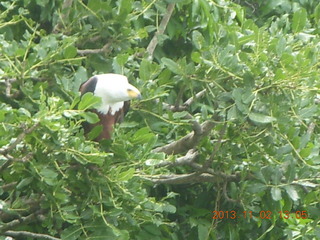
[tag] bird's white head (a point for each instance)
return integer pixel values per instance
(114, 89)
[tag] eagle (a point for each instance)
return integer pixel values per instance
(115, 92)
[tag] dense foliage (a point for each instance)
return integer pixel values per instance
(224, 144)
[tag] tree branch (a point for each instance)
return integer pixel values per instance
(164, 22)
(187, 142)
(185, 178)
(19, 139)
(32, 235)
(104, 49)
(17, 222)
(185, 160)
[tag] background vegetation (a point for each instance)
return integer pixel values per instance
(224, 145)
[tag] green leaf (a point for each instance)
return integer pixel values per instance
(70, 52)
(122, 59)
(196, 57)
(79, 77)
(49, 176)
(70, 113)
(293, 194)
(95, 132)
(256, 187)
(172, 66)
(24, 182)
(203, 231)
(276, 193)
(71, 233)
(299, 20)
(126, 175)
(148, 70)
(88, 101)
(317, 13)
(143, 135)
(125, 7)
(232, 113)
(90, 117)
(198, 39)
(179, 115)
(260, 118)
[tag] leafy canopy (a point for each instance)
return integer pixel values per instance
(229, 120)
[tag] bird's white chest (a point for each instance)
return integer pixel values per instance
(104, 108)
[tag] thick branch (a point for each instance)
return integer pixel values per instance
(163, 25)
(32, 235)
(187, 142)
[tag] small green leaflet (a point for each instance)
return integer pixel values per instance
(261, 118)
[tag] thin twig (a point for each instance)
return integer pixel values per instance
(66, 6)
(216, 147)
(186, 104)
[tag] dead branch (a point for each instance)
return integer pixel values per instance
(163, 25)
(32, 235)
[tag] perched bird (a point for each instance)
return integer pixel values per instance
(116, 93)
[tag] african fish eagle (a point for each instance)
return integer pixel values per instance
(116, 93)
